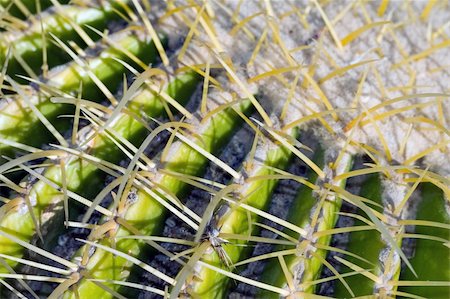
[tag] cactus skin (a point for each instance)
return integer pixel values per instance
(430, 256)
(146, 214)
(256, 194)
(83, 177)
(29, 45)
(21, 125)
(361, 285)
(299, 215)
(329, 65)
(28, 4)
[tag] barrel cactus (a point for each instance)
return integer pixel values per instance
(215, 149)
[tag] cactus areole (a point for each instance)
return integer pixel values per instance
(224, 149)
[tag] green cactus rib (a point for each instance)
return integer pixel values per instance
(19, 124)
(329, 212)
(257, 194)
(431, 257)
(301, 213)
(29, 45)
(300, 216)
(333, 74)
(82, 176)
(329, 215)
(147, 213)
(387, 269)
(30, 5)
(366, 244)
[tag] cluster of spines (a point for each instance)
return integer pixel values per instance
(144, 185)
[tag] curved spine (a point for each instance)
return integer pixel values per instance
(144, 216)
(366, 244)
(237, 221)
(18, 123)
(20, 8)
(82, 176)
(28, 45)
(431, 257)
(314, 212)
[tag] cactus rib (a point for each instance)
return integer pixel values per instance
(144, 215)
(361, 284)
(17, 118)
(25, 8)
(79, 173)
(299, 215)
(140, 200)
(28, 46)
(236, 222)
(304, 266)
(430, 255)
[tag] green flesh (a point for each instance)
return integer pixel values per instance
(85, 178)
(299, 215)
(367, 244)
(22, 125)
(29, 4)
(431, 258)
(29, 45)
(330, 216)
(147, 214)
(257, 194)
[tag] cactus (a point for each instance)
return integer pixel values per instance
(122, 173)
(24, 8)
(31, 51)
(103, 69)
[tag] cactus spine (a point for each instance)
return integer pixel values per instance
(116, 115)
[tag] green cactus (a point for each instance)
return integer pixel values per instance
(105, 69)
(429, 250)
(256, 192)
(116, 115)
(25, 51)
(25, 8)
